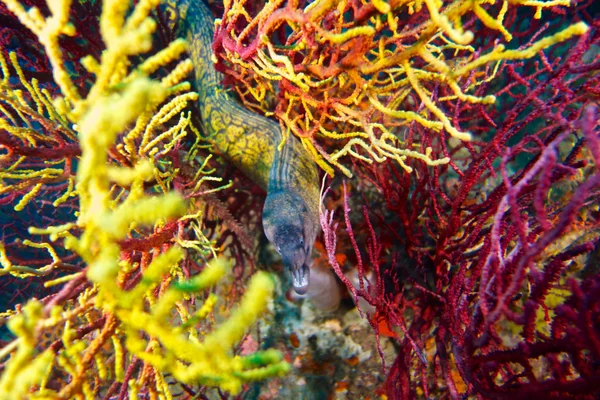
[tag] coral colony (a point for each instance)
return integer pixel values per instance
(459, 147)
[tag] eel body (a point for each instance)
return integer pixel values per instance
(250, 141)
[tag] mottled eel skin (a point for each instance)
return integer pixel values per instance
(250, 141)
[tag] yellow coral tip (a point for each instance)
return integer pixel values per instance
(381, 6)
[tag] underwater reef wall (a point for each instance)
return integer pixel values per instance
(459, 146)
(469, 229)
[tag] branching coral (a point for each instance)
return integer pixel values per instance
(23, 143)
(351, 74)
(125, 317)
(485, 269)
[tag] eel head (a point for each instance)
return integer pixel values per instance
(289, 227)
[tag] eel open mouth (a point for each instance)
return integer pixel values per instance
(300, 278)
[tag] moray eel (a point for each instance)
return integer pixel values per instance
(250, 141)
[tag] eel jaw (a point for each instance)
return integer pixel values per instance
(300, 278)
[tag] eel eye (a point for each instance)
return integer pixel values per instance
(301, 242)
(278, 249)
